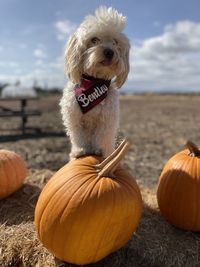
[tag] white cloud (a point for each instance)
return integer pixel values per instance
(179, 38)
(44, 77)
(40, 54)
(169, 61)
(58, 64)
(13, 64)
(64, 29)
(10, 64)
(39, 62)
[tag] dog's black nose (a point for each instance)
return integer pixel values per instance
(108, 53)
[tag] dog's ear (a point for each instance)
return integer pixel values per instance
(73, 58)
(122, 76)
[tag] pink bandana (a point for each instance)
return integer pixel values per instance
(90, 92)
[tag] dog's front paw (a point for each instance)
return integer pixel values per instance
(84, 152)
(77, 153)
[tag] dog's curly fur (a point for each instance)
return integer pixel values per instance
(94, 132)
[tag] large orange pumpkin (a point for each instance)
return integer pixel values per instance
(88, 209)
(12, 172)
(178, 191)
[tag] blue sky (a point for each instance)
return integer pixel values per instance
(165, 39)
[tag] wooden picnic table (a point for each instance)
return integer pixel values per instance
(22, 112)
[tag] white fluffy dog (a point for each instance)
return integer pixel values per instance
(97, 63)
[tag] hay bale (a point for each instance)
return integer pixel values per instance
(156, 243)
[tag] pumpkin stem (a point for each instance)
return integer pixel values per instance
(194, 150)
(111, 156)
(109, 165)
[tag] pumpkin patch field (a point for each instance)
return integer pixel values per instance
(157, 127)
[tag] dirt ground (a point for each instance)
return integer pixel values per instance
(157, 127)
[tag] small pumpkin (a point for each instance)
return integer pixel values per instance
(13, 171)
(88, 209)
(178, 192)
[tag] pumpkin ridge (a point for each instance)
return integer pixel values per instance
(61, 211)
(77, 191)
(40, 214)
(52, 196)
(20, 173)
(60, 175)
(82, 161)
(92, 188)
(165, 177)
(190, 174)
(5, 182)
(100, 187)
(182, 196)
(123, 211)
(198, 171)
(88, 219)
(74, 168)
(62, 171)
(17, 176)
(196, 195)
(177, 185)
(73, 196)
(9, 162)
(46, 206)
(85, 197)
(17, 173)
(126, 181)
(105, 223)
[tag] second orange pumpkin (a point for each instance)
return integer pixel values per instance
(12, 172)
(178, 191)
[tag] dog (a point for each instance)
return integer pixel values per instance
(97, 64)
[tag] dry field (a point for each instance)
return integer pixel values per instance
(157, 127)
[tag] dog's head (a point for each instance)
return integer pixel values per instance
(99, 48)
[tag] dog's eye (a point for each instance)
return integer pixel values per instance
(95, 40)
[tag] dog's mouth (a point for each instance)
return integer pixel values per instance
(106, 62)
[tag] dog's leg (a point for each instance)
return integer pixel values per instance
(108, 144)
(82, 141)
(80, 146)
(103, 141)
